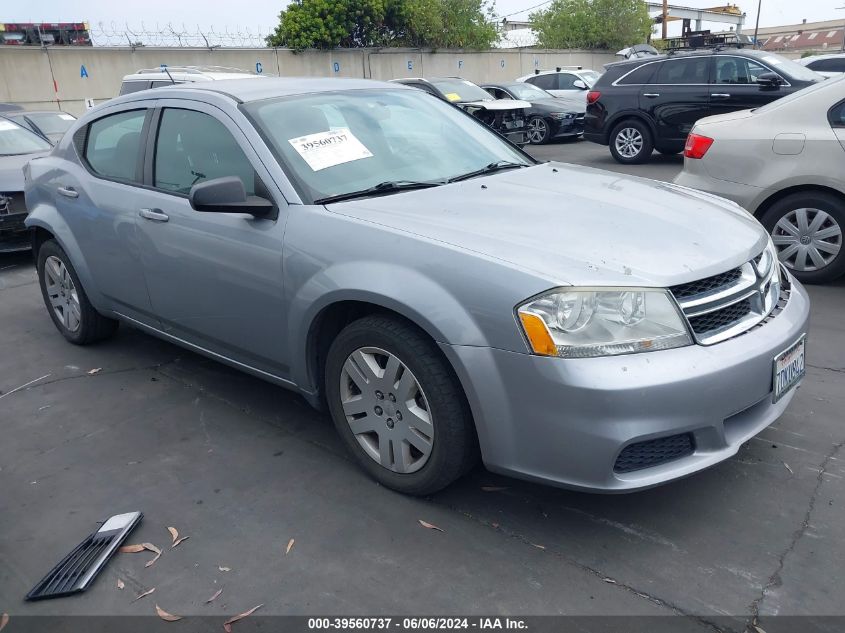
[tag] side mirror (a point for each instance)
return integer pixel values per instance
(227, 195)
(769, 80)
(579, 84)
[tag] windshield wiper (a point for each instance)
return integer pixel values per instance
(389, 186)
(488, 169)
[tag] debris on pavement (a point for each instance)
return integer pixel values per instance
(430, 526)
(215, 596)
(143, 595)
(174, 534)
(120, 584)
(788, 468)
(4, 620)
(140, 547)
(225, 568)
(24, 386)
(289, 547)
(227, 625)
(167, 617)
(96, 370)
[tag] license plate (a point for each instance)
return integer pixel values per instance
(788, 369)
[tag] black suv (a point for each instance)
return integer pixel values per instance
(652, 103)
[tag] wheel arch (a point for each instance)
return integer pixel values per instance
(637, 115)
(779, 195)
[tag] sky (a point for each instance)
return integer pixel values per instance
(263, 14)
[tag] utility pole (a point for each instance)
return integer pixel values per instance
(757, 23)
(665, 15)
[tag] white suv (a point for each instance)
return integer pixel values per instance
(168, 75)
(564, 81)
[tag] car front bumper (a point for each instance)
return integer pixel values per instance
(565, 421)
(14, 236)
(568, 128)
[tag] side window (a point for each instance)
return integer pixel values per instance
(159, 84)
(691, 70)
(128, 87)
(639, 76)
(836, 115)
(192, 147)
(546, 82)
(498, 93)
(830, 65)
(113, 145)
(737, 70)
(566, 81)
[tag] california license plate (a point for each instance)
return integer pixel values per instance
(788, 369)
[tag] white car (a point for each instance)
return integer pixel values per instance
(830, 65)
(785, 163)
(564, 81)
(169, 75)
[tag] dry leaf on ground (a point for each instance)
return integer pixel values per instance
(141, 595)
(225, 568)
(227, 625)
(4, 620)
(428, 525)
(167, 617)
(132, 549)
(96, 370)
(184, 538)
(174, 533)
(289, 547)
(215, 596)
(538, 546)
(120, 584)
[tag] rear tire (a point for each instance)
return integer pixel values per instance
(631, 142)
(808, 229)
(67, 304)
(398, 406)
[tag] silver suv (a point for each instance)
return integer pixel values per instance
(440, 292)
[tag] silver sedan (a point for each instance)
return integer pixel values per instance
(440, 292)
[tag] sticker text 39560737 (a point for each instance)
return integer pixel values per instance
(327, 149)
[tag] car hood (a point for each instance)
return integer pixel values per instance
(562, 104)
(11, 170)
(498, 104)
(577, 225)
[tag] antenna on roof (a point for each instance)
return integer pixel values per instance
(169, 76)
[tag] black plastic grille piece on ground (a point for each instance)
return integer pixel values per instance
(654, 452)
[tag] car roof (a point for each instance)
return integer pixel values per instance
(10, 113)
(697, 52)
(245, 90)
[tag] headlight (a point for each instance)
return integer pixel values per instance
(562, 115)
(578, 323)
(766, 260)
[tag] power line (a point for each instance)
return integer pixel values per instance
(524, 10)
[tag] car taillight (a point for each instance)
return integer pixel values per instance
(593, 96)
(697, 146)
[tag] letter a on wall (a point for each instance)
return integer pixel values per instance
(82, 71)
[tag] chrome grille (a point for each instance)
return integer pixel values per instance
(722, 306)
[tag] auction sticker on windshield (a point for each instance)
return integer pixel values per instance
(789, 369)
(327, 149)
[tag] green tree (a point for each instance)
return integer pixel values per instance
(416, 23)
(605, 24)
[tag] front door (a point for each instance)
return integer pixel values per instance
(677, 96)
(215, 279)
(733, 85)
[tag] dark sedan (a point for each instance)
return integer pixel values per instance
(549, 117)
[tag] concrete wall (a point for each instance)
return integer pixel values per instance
(26, 74)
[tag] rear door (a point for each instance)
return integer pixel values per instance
(733, 84)
(836, 118)
(677, 96)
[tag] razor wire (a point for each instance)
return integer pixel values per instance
(180, 36)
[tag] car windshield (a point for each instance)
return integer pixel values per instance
(527, 91)
(336, 143)
(590, 77)
(787, 67)
(16, 140)
(456, 89)
(51, 122)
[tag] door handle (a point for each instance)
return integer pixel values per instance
(155, 215)
(720, 95)
(651, 95)
(68, 192)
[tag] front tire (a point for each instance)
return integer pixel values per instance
(807, 229)
(631, 142)
(398, 406)
(538, 131)
(66, 301)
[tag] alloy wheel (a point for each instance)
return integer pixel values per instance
(62, 293)
(537, 130)
(386, 409)
(807, 239)
(629, 142)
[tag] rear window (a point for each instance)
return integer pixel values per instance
(113, 145)
(546, 82)
(641, 75)
(128, 87)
